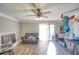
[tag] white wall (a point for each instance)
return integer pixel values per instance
(8, 26)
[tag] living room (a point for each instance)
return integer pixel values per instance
(36, 28)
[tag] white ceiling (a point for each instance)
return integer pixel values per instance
(17, 10)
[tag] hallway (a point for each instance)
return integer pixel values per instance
(42, 48)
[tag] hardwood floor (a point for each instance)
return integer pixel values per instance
(42, 48)
(31, 49)
(60, 50)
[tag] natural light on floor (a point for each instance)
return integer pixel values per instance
(51, 49)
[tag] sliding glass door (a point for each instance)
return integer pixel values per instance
(51, 31)
(46, 31)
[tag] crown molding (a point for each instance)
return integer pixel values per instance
(8, 17)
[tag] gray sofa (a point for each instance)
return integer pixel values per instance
(30, 38)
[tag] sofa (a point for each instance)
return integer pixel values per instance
(30, 38)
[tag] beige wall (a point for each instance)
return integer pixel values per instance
(8, 26)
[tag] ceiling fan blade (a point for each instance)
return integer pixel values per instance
(34, 6)
(47, 12)
(30, 15)
(35, 12)
(24, 10)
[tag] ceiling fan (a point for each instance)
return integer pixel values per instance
(37, 11)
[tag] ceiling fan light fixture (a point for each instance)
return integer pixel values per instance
(40, 18)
